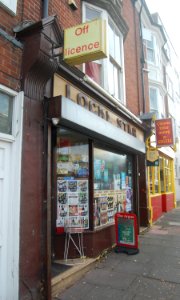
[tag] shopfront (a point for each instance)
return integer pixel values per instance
(161, 185)
(95, 170)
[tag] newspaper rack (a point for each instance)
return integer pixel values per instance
(70, 238)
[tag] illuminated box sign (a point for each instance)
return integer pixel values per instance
(85, 42)
(164, 132)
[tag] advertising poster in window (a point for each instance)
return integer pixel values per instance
(72, 203)
(123, 180)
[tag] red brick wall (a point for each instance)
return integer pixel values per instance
(132, 62)
(11, 56)
(30, 10)
(10, 60)
(66, 16)
(132, 55)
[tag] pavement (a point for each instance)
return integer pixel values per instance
(153, 273)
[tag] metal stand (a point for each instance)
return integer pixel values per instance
(70, 231)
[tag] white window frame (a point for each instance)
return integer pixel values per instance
(153, 109)
(149, 38)
(15, 125)
(10, 5)
(105, 62)
(159, 109)
(150, 48)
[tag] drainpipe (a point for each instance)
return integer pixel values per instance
(45, 8)
(142, 61)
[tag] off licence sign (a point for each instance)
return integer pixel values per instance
(85, 42)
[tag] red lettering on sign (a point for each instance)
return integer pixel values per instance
(81, 49)
(90, 46)
(96, 45)
(82, 30)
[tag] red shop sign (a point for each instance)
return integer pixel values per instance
(164, 132)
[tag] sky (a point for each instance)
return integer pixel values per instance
(169, 12)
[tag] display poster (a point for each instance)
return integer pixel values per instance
(129, 199)
(117, 181)
(97, 169)
(123, 180)
(72, 203)
(106, 177)
(106, 204)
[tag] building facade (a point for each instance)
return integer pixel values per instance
(71, 140)
(160, 158)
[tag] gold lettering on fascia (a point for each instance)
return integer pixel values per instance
(98, 110)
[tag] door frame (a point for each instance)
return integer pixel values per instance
(11, 290)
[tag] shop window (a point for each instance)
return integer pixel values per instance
(113, 188)
(108, 72)
(161, 178)
(162, 174)
(166, 170)
(6, 110)
(72, 161)
(154, 180)
(168, 174)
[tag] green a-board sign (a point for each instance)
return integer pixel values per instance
(126, 230)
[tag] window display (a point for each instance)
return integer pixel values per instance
(72, 162)
(113, 184)
(160, 177)
(113, 191)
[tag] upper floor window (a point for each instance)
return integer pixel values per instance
(109, 73)
(150, 50)
(170, 87)
(10, 5)
(156, 103)
(153, 100)
(149, 41)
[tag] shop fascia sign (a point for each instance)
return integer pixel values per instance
(164, 132)
(85, 42)
(64, 88)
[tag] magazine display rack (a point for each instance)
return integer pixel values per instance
(70, 238)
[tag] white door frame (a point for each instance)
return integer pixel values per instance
(9, 277)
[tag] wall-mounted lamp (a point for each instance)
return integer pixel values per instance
(72, 4)
(55, 121)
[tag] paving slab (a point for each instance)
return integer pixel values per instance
(153, 273)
